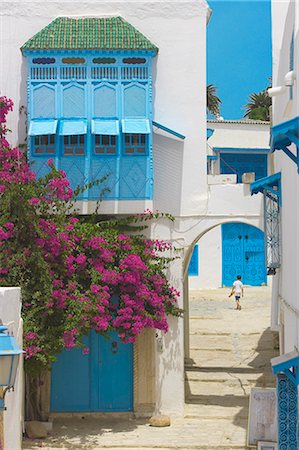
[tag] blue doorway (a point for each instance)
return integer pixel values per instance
(100, 381)
(243, 253)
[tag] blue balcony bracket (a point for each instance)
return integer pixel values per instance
(285, 134)
(270, 185)
(286, 369)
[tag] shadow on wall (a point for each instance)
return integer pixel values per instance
(22, 107)
(168, 172)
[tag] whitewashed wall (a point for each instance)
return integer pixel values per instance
(178, 28)
(10, 313)
(210, 262)
(286, 293)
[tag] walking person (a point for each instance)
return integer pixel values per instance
(238, 290)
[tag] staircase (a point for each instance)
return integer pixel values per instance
(230, 353)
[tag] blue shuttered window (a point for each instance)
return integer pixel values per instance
(105, 145)
(73, 145)
(135, 144)
(44, 145)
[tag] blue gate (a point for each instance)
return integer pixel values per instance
(99, 381)
(243, 253)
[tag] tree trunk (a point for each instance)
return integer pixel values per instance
(37, 396)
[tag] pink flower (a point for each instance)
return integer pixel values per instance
(2, 188)
(85, 351)
(30, 336)
(34, 201)
(50, 161)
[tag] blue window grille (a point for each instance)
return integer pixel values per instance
(74, 145)
(135, 144)
(193, 269)
(44, 144)
(105, 144)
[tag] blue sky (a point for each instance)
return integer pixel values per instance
(238, 51)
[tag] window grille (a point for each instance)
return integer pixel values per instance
(107, 73)
(134, 73)
(44, 145)
(43, 73)
(74, 145)
(105, 145)
(135, 144)
(74, 73)
(272, 228)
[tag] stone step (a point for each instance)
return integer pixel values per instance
(229, 387)
(226, 342)
(263, 378)
(219, 412)
(237, 358)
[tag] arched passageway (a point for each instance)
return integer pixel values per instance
(227, 351)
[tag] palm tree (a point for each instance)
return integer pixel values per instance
(213, 101)
(258, 107)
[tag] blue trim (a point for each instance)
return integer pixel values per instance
(136, 126)
(241, 150)
(2, 405)
(105, 127)
(168, 130)
(285, 134)
(288, 364)
(268, 184)
(42, 127)
(212, 157)
(210, 132)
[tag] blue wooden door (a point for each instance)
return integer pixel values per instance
(243, 254)
(99, 381)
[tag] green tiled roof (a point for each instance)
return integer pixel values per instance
(109, 33)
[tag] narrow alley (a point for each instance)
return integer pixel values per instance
(230, 353)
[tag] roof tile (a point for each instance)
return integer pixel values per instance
(109, 33)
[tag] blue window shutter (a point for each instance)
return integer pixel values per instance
(136, 126)
(72, 127)
(42, 127)
(193, 269)
(106, 127)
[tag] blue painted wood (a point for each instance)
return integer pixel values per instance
(100, 381)
(43, 101)
(193, 269)
(287, 399)
(70, 380)
(243, 163)
(93, 91)
(243, 254)
(135, 101)
(105, 100)
(73, 101)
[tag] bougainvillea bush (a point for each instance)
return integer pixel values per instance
(76, 274)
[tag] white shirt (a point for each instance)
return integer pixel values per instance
(238, 286)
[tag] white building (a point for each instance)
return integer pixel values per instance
(281, 193)
(176, 162)
(234, 148)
